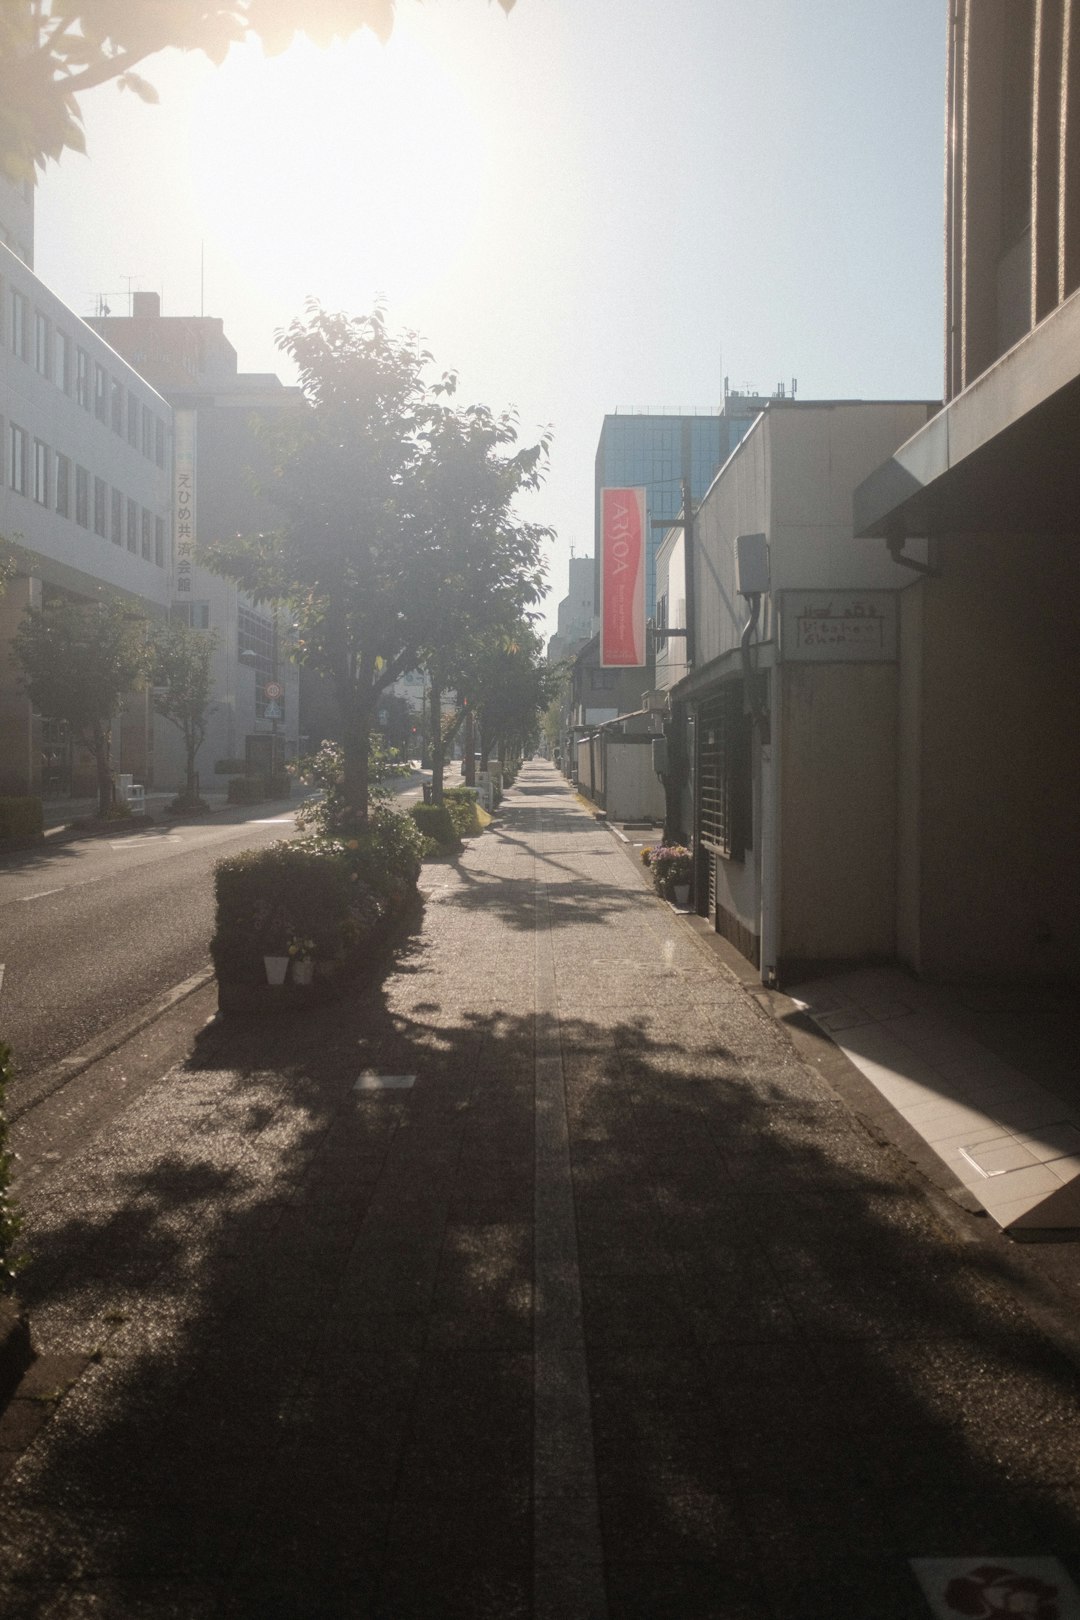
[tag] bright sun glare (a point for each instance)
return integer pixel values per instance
(342, 173)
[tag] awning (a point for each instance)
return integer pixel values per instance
(1002, 456)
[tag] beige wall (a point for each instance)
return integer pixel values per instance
(999, 796)
(838, 812)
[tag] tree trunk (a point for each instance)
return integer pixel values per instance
(468, 749)
(104, 774)
(191, 745)
(355, 743)
(436, 742)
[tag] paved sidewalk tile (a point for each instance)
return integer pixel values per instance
(614, 1311)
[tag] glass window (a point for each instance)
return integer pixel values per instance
(20, 336)
(42, 347)
(116, 527)
(63, 485)
(62, 361)
(200, 616)
(101, 504)
(101, 393)
(116, 407)
(147, 432)
(82, 497)
(147, 534)
(82, 378)
(159, 441)
(159, 541)
(41, 472)
(132, 419)
(132, 525)
(17, 458)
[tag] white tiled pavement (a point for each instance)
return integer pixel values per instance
(1012, 1142)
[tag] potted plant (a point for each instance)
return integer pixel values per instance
(302, 956)
(671, 867)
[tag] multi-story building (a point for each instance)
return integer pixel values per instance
(85, 498)
(988, 881)
(576, 613)
(220, 460)
(657, 453)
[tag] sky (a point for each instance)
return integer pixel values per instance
(584, 207)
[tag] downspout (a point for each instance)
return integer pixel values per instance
(766, 720)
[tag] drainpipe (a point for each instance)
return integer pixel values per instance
(770, 833)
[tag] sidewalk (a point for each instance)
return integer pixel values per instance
(542, 1279)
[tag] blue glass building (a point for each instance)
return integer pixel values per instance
(656, 452)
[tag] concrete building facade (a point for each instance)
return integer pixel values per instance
(989, 492)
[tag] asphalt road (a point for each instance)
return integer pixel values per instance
(93, 929)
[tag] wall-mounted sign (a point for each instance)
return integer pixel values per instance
(828, 627)
(184, 499)
(622, 578)
(273, 690)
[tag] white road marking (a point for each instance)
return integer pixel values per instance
(41, 894)
(270, 821)
(140, 842)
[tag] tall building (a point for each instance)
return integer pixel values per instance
(988, 881)
(85, 497)
(656, 453)
(219, 461)
(576, 613)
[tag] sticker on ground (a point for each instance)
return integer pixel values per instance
(986, 1588)
(370, 1081)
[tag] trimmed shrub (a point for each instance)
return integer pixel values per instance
(268, 897)
(230, 767)
(247, 789)
(435, 822)
(21, 818)
(280, 785)
(10, 1220)
(462, 804)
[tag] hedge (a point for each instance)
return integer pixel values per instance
(21, 818)
(436, 822)
(253, 789)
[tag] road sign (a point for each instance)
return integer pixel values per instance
(273, 711)
(273, 690)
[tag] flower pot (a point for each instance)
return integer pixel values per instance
(681, 892)
(303, 970)
(276, 968)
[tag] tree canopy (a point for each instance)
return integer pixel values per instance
(398, 525)
(183, 686)
(78, 660)
(53, 51)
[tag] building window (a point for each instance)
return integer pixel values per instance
(41, 472)
(159, 441)
(603, 680)
(101, 393)
(159, 541)
(254, 633)
(42, 347)
(147, 534)
(17, 458)
(661, 624)
(116, 527)
(132, 420)
(148, 433)
(82, 378)
(101, 507)
(20, 335)
(82, 497)
(200, 615)
(62, 361)
(724, 773)
(63, 485)
(116, 407)
(132, 525)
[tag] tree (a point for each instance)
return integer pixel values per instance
(397, 511)
(78, 660)
(509, 684)
(53, 51)
(183, 686)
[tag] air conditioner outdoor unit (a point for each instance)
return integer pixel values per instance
(654, 701)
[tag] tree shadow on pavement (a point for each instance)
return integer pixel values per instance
(313, 1308)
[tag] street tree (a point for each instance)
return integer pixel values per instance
(53, 51)
(396, 515)
(509, 685)
(78, 660)
(183, 686)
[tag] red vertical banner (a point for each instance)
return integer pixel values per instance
(622, 578)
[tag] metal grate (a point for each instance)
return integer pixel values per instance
(724, 773)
